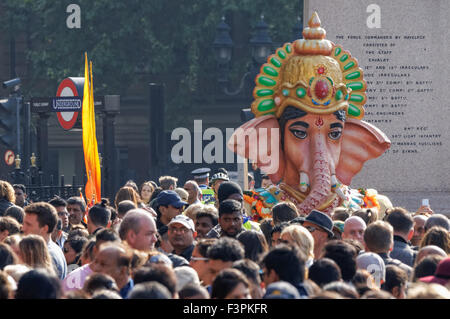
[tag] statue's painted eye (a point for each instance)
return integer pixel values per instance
(299, 133)
(334, 135)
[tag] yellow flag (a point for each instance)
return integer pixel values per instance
(91, 158)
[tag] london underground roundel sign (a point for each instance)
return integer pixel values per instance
(69, 87)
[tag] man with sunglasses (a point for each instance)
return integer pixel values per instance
(321, 228)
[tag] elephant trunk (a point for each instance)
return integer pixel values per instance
(321, 178)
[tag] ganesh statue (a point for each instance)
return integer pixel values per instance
(308, 135)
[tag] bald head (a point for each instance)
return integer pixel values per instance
(429, 250)
(354, 228)
(193, 190)
(138, 229)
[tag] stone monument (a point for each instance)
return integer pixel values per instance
(402, 47)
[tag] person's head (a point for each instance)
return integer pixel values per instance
(221, 254)
(87, 253)
(147, 189)
(199, 259)
(275, 234)
(266, 227)
(230, 217)
(73, 247)
(7, 256)
(379, 237)
(124, 206)
(402, 222)
(396, 279)
(441, 275)
(21, 194)
(344, 255)
(192, 210)
(252, 272)
(285, 263)
(13, 242)
(132, 184)
(374, 265)
(99, 281)
(254, 244)
(7, 192)
(99, 216)
(169, 205)
(40, 219)
(427, 291)
(168, 182)
(184, 195)
(344, 289)
(33, 252)
(369, 215)
(426, 267)
(340, 213)
(61, 208)
(354, 228)
(265, 181)
(160, 273)
(324, 271)
(8, 226)
(437, 236)
(230, 190)
(193, 291)
(437, 220)
(7, 286)
(106, 294)
(230, 284)
(105, 235)
(419, 229)
(283, 212)
(149, 290)
(185, 275)
(320, 226)
(78, 231)
(205, 220)
(76, 207)
(298, 235)
(429, 250)
(126, 193)
(138, 229)
(181, 233)
(38, 284)
(115, 260)
(15, 212)
(193, 190)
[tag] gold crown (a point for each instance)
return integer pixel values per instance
(312, 74)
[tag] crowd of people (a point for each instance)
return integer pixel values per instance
(162, 241)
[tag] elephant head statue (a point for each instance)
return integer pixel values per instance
(308, 134)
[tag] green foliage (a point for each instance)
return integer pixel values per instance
(135, 41)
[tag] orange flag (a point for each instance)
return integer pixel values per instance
(91, 158)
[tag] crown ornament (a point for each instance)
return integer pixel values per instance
(312, 74)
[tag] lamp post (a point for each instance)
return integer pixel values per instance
(261, 45)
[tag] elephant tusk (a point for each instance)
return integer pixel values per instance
(304, 182)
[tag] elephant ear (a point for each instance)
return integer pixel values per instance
(361, 142)
(259, 140)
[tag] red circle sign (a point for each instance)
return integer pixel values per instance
(67, 119)
(9, 157)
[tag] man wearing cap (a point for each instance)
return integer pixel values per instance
(169, 205)
(181, 236)
(321, 228)
(201, 176)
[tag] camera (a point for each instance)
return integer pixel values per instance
(11, 83)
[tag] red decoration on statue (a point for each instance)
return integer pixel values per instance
(321, 89)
